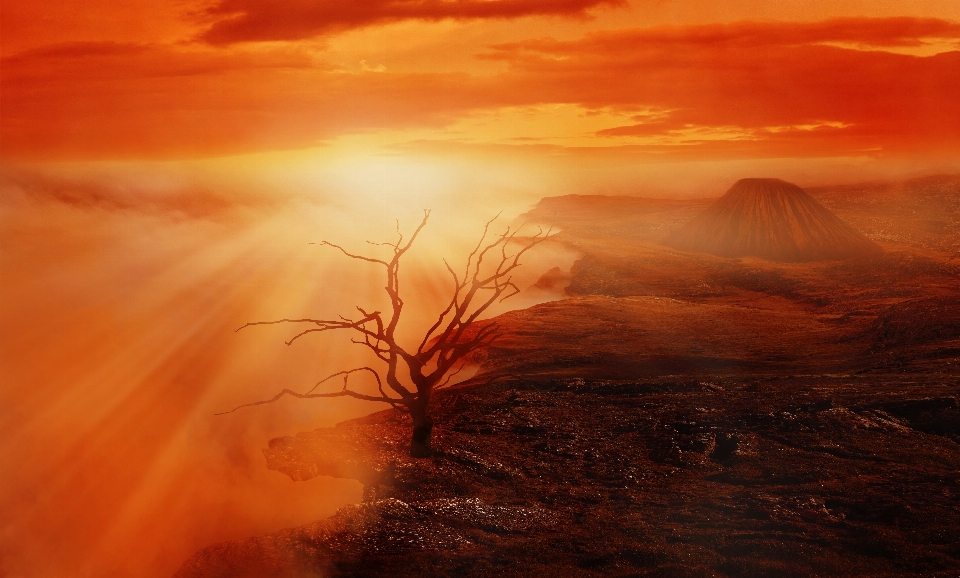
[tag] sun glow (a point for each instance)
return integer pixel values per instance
(169, 168)
(125, 348)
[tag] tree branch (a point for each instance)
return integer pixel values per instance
(351, 255)
(278, 321)
(452, 375)
(342, 393)
(449, 340)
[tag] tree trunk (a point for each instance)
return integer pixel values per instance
(420, 442)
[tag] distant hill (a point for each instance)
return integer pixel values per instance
(615, 217)
(772, 219)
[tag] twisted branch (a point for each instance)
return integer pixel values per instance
(445, 341)
(342, 393)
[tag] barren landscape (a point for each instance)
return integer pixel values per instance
(676, 413)
(479, 288)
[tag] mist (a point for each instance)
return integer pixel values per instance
(122, 293)
(124, 284)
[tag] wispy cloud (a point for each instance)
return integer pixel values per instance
(258, 20)
(752, 79)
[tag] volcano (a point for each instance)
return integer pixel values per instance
(772, 219)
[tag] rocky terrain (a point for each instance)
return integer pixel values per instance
(677, 414)
(773, 476)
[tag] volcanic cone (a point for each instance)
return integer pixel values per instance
(772, 219)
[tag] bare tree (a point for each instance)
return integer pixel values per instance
(445, 347)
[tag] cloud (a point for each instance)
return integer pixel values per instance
(743, 90)
(259, 20)
(127, 61)
(876, 32)
(171, 101)
(192, 199)
(79, 50)
(761, 78)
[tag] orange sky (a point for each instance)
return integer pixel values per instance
(528, 78)
(164, 165)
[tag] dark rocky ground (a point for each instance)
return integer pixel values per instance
(772, 476)
(678, 415)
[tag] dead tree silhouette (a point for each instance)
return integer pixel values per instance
(445, 347)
